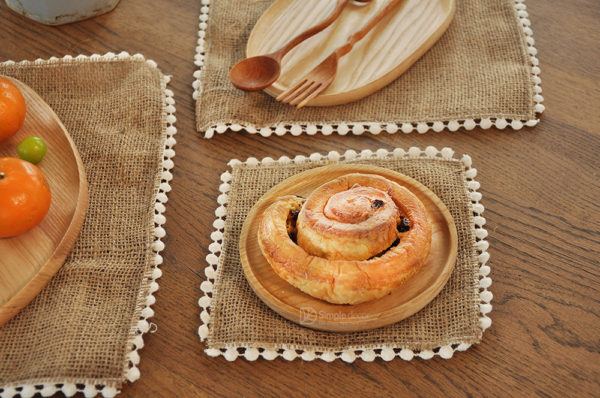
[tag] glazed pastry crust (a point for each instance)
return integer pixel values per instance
(347, 280)
(351, 218)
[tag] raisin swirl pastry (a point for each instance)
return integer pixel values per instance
(354, 239)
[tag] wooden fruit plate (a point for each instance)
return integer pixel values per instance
(409, 298)
(28, 261)
(395, 43)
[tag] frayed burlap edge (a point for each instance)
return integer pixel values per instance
(375, 127)
(387, 353)
(145, 299)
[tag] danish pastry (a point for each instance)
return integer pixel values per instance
(354, 239)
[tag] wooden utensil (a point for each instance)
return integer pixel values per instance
(258, 72)
(323, 74)
(299, 307)
(392, 47)
(28, 261)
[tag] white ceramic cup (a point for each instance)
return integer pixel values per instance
(58, 12)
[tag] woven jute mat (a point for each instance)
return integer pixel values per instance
(238, 323)
(483, 71)
(82, 331)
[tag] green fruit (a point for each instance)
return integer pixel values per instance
(32, 149)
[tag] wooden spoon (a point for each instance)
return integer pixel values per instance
(28, 261)
(259, 72)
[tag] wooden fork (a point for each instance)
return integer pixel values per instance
(321, 77)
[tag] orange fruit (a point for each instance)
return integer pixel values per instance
(12, 109)
(24, 196)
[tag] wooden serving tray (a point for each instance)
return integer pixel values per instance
(299, 307)
(28, 261)
(396, 43)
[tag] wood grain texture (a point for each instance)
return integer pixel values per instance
(377, 60)
(540, 190)
(28, 261)
(406, 300)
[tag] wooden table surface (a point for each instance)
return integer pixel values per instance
(540, 188)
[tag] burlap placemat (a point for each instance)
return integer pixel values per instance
(237, 323)
(482, 72)
(83, 331)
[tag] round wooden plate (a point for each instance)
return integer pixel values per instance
(393, 45)
(28, 261)
(293, 304)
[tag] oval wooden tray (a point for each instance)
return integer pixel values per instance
(29, 261)
(396, 43)
(293, 304)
